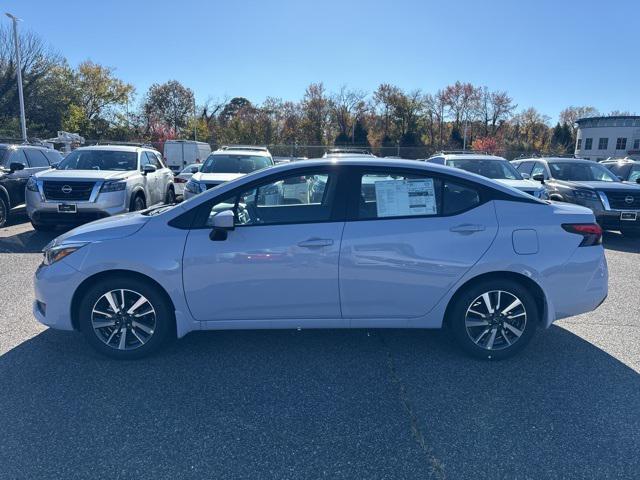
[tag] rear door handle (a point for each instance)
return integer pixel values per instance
(467, 228)
(315, 243)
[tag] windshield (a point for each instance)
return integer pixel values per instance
(189, 168)
(234, 163)
(99, 160)
(496, 169)
(581, 172)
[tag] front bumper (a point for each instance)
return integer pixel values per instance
(612, 220)
(54, 288)
(46, 211)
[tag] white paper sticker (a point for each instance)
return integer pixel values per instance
(401, 198)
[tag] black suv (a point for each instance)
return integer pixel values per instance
(17, 164)
(616, 204)
(627, 170)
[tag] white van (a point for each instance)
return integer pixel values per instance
(180, 153)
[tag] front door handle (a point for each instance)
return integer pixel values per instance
(316, 243)
(467, 228)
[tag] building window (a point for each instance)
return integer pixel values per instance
(603, 144)
(621, 143)
(636, 144)
(579, 146)
(588, 142)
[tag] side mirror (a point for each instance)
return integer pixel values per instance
(148, 169)
(638, 180)
(194, 169)
(526, 176)
(222, 223)
(55, 165)
(538, 177)
(15, 166)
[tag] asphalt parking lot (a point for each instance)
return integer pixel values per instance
(320, 404)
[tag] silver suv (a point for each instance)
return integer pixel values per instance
(96, 182)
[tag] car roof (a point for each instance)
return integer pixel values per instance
(554, 159)
(24, 145)
(466, 156)
(242, 151)
(117, 148)
(619, 161)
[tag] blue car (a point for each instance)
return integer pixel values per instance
(376, 244)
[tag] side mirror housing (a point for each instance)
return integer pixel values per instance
(194, 169)
(15, 166)
(538, 177)
(55, 165)
(526, 176)
(222, 223)
(148, 169)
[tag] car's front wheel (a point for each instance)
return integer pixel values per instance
(4, 212)
(138, 203)
(126, 318)
(171, 197)
(494, 319)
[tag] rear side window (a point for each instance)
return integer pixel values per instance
(525, 167)
(398, 195)
(634, 175)
(36, 158)
(53, 156)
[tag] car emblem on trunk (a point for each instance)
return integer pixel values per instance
(628, 199)
(68, 189)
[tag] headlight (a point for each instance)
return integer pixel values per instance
(32, 186)
(195, 187)
(114, 186)
(57, 252)
(585, 194)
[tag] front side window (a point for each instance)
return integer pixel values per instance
(603, 144)
(17, 156)
(621, 143)
(293, 199)
(495, 169)
(539, 169)
(36, 158)
(588, 143)
(525, 167)
(99, 160)
(153, 160)
(581, 172)
(234, 163)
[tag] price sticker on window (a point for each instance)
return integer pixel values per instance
(405, 197)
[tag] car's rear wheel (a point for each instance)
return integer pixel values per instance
(494, 319)
(126, 318)
(4, 212)
(138, 203)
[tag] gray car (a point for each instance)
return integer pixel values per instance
(96, 182)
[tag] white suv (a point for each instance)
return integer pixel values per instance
(225, 164)
(96, 182)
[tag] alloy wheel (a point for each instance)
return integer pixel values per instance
(3, 213)
(495, 320)
(123, 319)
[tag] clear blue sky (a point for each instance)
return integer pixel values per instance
(545, 53)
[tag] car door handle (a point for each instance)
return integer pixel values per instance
(467, 228)
(315, 243)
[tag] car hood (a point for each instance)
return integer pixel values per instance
(216, 177)
(109, 228)
(527, 185)
(72, 175)
(623, 187)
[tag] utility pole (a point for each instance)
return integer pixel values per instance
(23, 120)
(464, 142)
(195, 119)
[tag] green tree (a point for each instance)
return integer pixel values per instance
(170, 104)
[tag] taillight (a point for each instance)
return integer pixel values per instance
(179, 180)
(591, 232)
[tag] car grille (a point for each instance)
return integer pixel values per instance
(618, 200)
(60, 190)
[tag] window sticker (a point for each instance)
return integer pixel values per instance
(400, 198)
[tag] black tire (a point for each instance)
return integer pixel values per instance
(163, 326)
(171, 196)
(4, 212)
(508, 342)
(137, 203)
(42, 228)
(631, 232)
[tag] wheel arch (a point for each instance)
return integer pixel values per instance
(531, 285)
(138, 190)
(90, 281)
(5, 195)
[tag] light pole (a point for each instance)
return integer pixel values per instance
(23, 121)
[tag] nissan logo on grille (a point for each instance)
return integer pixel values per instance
(67, 189)
(628, 199)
